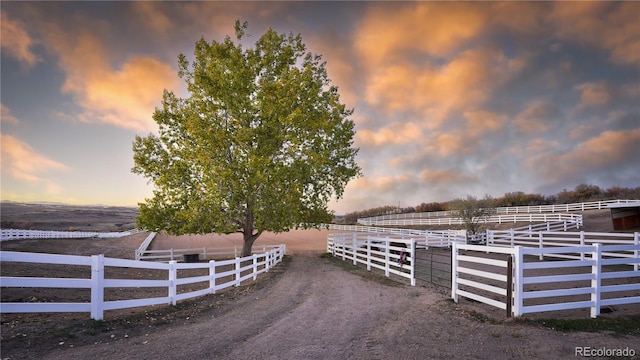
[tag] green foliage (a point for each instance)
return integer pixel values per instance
(261, 144)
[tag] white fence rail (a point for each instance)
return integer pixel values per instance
(203, 253)
(237, 270)
(588, 276)
(423, 239)
(568, 220)
(376, 230)
(594, 205)
(543, 239)
(145, 245)
(17, 234)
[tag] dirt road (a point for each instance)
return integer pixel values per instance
(315, 309)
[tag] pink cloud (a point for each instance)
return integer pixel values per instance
(593, 94)
(23, 163)
(16, 41)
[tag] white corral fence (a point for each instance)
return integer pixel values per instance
(568, 220)
(512, 272)
(236, 270)
(589, 270)
(549, 239)
(203, 253)
(392, 255)
(17, 234)
(593, 205)
(423, 238)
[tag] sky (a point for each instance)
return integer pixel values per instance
(450, 98)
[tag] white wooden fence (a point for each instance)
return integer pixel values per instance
(203, 253)
(591, 274)
(594, 205)
(393, 256)
(144, 245)
(258, 263)
(423, 238)
(549, 239)
(568, 220)
(18, 234)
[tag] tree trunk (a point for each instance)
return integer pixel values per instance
(248, 232)
(249, 239)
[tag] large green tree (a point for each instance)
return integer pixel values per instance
(261, 142)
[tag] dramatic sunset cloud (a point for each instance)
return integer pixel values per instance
(450, 98)
(16, 40)
(21, 162)
(123, 96)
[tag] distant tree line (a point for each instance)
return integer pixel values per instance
(581, 193)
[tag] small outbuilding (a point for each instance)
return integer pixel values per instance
(625, 216)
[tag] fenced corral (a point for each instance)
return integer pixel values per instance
(394, 256)
(519, 281)
(593, 205)
(105, 290)
(17, 234)
(513, 273)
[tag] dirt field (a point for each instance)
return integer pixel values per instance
(307, 308)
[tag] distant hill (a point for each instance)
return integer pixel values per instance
(64, 217)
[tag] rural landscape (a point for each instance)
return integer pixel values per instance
(309, 306)
(320, 180)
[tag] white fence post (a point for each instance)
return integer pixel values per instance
(267, 259)
(238, 271)
(97, 287)
(368, 253)
(541, 243)
(636, 242)
(173, 276)
(582, 244)
(354, 250)
(413, 262)
(212, 276)
(255, 266)
(454, 272)
(596, 271)
(387, 259)
(518, 278)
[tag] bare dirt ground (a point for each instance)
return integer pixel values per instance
(309, 307)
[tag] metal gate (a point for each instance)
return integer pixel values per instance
(433, 265)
